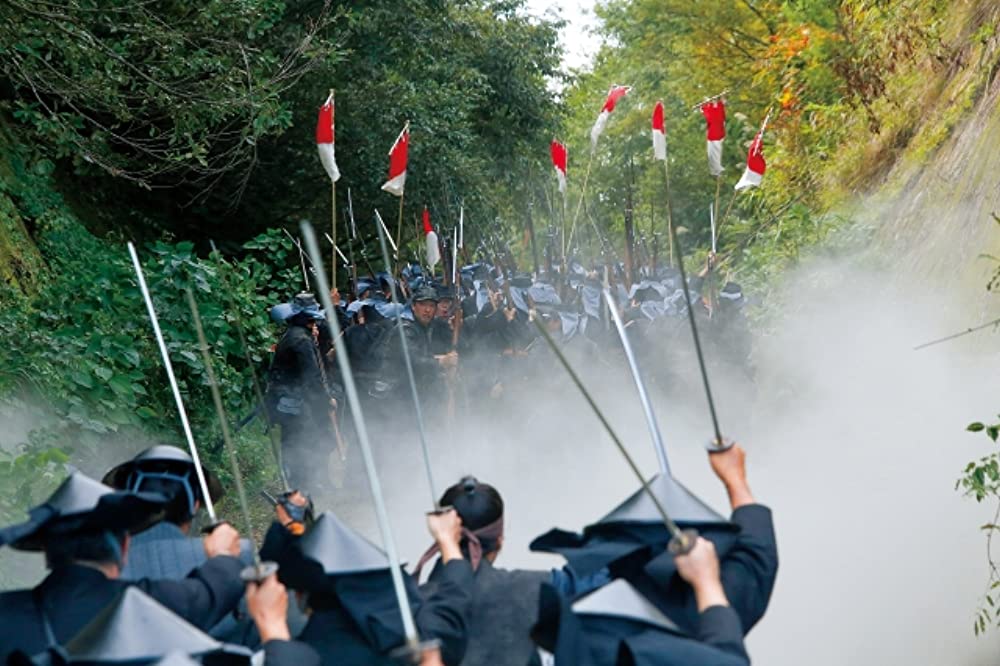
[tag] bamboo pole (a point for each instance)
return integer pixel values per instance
(670, 217)
(333, 232)
(579, 205)
(399, 231)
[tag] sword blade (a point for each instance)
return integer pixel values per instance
(647, 405)
(409, 375)
(409, 626)
(257, 389)
(675, 531)
(192, 448)
(220, 412)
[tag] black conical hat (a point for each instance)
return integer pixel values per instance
(135, 627)
(82, 504)
(681, 505)
(618, 599)
(340, 550)
(117, 477)
(176, 659)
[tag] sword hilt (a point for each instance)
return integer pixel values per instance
(716, 445)
(413, 652)
(211, 527)
(683, 542)
(258, 573)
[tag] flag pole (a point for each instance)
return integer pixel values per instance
(579, 205)
(399, 223)
(718, 187)
(767, 119)
(399, 231)
(670, 218)
(333, 220)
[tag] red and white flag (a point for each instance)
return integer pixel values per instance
(560, 158)
(397, 163)
(324, 139)
(614, 94)
(659, 133)
(754, 173)
(715, 132)
(431, 239)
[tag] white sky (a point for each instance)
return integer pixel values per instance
(579, 44)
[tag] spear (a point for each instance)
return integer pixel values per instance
(719, 443)
(302, 259)
(995, 322)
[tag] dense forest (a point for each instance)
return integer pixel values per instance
(176, 124)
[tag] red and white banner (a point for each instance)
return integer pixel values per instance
(754, 173)
(715, 132)
(431, 240)
(659, 133)
(560, 159)
(614, 94)
(324, 139)
(397, 163)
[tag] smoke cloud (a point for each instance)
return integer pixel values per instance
(854, 439)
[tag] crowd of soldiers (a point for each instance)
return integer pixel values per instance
(131, 581)
(473, 339)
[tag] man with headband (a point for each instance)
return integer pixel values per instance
(505, 602)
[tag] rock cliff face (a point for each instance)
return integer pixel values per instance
(941, 223)
(934, 216)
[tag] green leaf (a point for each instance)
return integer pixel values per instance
(146, 413)
(975, 427)
(121, 385)
(132, 356)
(103, 373)
(83, 379)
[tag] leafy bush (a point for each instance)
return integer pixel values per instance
(84, 347)
(981, 480)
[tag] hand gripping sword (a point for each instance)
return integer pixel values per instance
(413, 645)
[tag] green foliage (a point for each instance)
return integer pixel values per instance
(212, 104)
(981, 480)
(848, 84)
(160, 94)
(81, 345)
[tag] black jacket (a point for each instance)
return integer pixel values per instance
(502, 612)
(298, 376)
(601, 640)
(72, 595)
(363, 626)
(748, 561)
(421, 344)
(290, 653)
